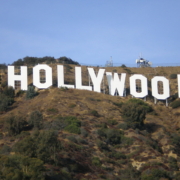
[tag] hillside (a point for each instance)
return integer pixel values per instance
(73, 134)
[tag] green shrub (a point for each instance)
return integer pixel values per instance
(4, 102)
(20, 93)
(18, 167)
(94, 113)
(102, 132)
(35, 119)
(175, 104)
(73, 128)
(175, 141)
(117, 155)
(112, 122)
(140, 102)
(118, 104)
(173, 76)
(175, 96)
(129, 173)
(173, 164)
(102, 146)
(154, 174)
(5, 150)
(6, 98)
(111, 136)
(31, 93)
(123, 126)
(134, 112)
(72, 124)
(96, 161)
(126, 141)
(14, 125)
(43, 145)
(9, 92)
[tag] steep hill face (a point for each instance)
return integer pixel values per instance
(78, 134)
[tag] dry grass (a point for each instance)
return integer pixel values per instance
(54, 102)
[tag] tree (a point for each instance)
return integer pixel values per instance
(65, 60)
(134, 112)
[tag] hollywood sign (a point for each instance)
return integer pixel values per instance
(115, 83)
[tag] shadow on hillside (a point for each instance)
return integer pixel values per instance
(152, 127)
(10, 108)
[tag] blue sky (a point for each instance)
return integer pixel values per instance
(91, 31)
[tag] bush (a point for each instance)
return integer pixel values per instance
(5, 150)
(175, 104)
(72, 124)
(112, 122)
(154, 174)
(123, 65)
(35, 119)
(111, 136)
(96, 161)
(31, 93)
(6, 98)
(102, 146)
(14, 125)
(65, 60)
(173, 76)
(174, 96)
(173, 164)
(94, 113)
(73, 128)
(140, 102)
(123, 126)
(134, 112)
(175, 140)
(117, 155)
(9, 91)
(4, 102)
(20, 93)
(18, 167)
(43, 145)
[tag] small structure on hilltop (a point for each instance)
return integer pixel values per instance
(141, 62)
(109, 63)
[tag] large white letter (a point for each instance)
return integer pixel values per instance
(178, 77)
(79, 80)
(22, 77)
(144, 90)
(60, 75)
(36, 76)
(116, 83)
(154, 84)
(96, 80)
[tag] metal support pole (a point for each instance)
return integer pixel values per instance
(166, 102)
